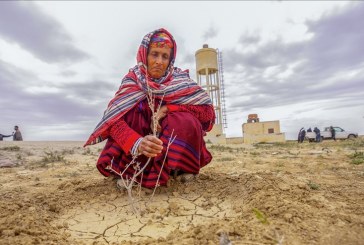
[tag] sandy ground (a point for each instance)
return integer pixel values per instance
(51, 193)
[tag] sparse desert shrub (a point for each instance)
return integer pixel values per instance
(259, 162)
(357, 158)
(87, 151)
(28, 153)
(220, 148)
(313, 185)
(11, 148)
(320, 157)
(254, 153)
(260, 216)
(68, 151)
(263, 145)
(226, 159)
(53, 156)
(18, 156)
(354, 143)
(287, 144)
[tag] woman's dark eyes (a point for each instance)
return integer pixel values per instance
(163, 56)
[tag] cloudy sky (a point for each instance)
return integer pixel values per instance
(298, 62)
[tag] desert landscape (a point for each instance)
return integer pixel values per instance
(283, 193)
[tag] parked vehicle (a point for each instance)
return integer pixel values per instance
(326, 134)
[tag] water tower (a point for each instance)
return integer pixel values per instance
(209, 71)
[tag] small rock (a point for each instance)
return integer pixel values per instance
(288, 216)
(6, 163)
(283, 186)
(173, 206)
(53, 208)
(302, 185)
(65, 224)
(197, 230)
(224, 239)
(8, 233)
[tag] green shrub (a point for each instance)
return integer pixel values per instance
(260, 216)
(51, 157)
(357, 158)
(220, 148)
(11, 148)
(226, 159)
(313, 185)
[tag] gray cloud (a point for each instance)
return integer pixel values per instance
(25, 24)
(247, 39)
(67, 73)
(266, 76)
(210, 33)
(72, 103)
(338, 39)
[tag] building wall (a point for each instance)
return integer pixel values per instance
(262, 132)
(235, 140)
(261, 127)
(216, 135)
(264, 138)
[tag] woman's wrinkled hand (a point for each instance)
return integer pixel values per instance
(162, 113)
(150, 146)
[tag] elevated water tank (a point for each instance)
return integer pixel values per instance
(206, 60)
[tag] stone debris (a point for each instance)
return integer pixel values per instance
(6, 163)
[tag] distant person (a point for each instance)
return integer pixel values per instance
(333, 133)
(2, 136)
(309, 130)
(318, 134)
(17, 134)
(301, 135)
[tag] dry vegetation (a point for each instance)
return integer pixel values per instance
(262, 194)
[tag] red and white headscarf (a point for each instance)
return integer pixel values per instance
(175, 87)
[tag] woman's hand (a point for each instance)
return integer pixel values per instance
(150, 146)
(162, 113)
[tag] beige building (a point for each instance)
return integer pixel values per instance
(216, 135)
(255, 131)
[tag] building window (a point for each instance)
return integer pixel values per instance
(270, 130)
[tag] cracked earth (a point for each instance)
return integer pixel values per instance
(51, 193)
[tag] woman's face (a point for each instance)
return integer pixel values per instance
(158, 61)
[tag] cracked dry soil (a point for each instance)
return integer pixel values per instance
(262, 194)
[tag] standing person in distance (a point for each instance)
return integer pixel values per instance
(333, 133)
(318, 134)
(17, 134)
